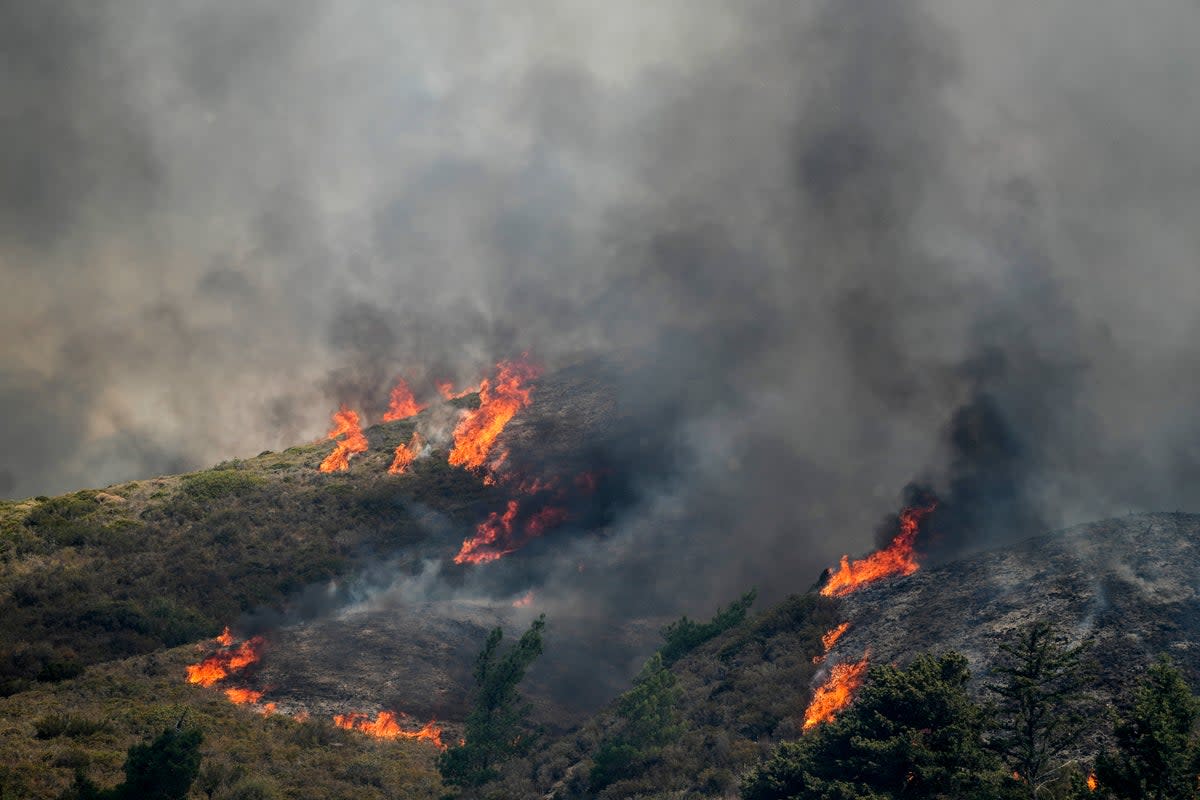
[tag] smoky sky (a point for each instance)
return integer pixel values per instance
(835, 248)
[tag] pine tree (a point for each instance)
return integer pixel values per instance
(911, 733)
(1157, 754)
(1040, 711)
(648, 720)
(497, 728)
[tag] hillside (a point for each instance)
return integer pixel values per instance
(107, 596)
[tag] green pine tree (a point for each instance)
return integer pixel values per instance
(911, 733)
(1157, 750)
(1040, 705)
(497, 728)
(648, 719)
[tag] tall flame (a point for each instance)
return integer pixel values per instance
(406, 454)
(225, 639)
(225, 662)
(387, 726)
(345, 423)
(836, 693)
(500, 399)
(898, 558)
(402, 404)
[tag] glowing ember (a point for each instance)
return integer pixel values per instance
(387, 726)
(225, 639)
(499, 400)
(829, 639)
(402, 404)
(524, 601)
(835, 694)
(898, 558)
(1092, 783)
(446, 390)
(225, 662)
(345, 423)
(406, 454)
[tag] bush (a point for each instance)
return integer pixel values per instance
(685, 635)
(217, 483)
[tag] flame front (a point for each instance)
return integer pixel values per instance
(387, 726)
(829, 639)
(836, 693)
(345, 423)
(406, 454)
(898, 558)
(497, 527)
(243, 696)
(225, 639)
(1092, 783)
(499, 401)
(225, 662)
(402, 404)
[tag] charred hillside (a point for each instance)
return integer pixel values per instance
(1126, 587)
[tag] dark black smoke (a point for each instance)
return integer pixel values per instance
(814, 252)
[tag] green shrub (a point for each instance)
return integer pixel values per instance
(218, 483)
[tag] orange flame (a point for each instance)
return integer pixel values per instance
(1092, 783)
(498, 535)
(499, 400)
(406, 454)
(402, 404)
(829, 639)
(898, 558)
(225, 639)
(446, 390)
(386, 726)
(835, 694)
(524, 601)
(494, 528)
(345, 423)
(223, 663)
(243, 696)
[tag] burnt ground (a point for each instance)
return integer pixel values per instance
(1127, 586)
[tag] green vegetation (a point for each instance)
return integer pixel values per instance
(497, 729)
(912, 733)
(649, 719)
(99, 575)
(685, 635)
(1040, 711)
(1158, 752)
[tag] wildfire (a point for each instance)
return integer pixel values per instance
(446, 390)
(387, 726)
(402, 404)
(898, 558)
(1092, 783)
(499, 534)
(225, 639)
(243, 696)
(495, 527)
(836, 693)
(406, 454)
(829, 639)
(524, 601)
(225, 662)
(500, 399)
(345, 423)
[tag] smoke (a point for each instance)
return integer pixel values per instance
(816, 251)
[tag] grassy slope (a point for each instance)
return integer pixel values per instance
(90, 721)
(97, 575)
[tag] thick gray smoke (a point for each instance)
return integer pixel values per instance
(832, 247)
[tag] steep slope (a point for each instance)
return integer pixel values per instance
(1127, 586)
